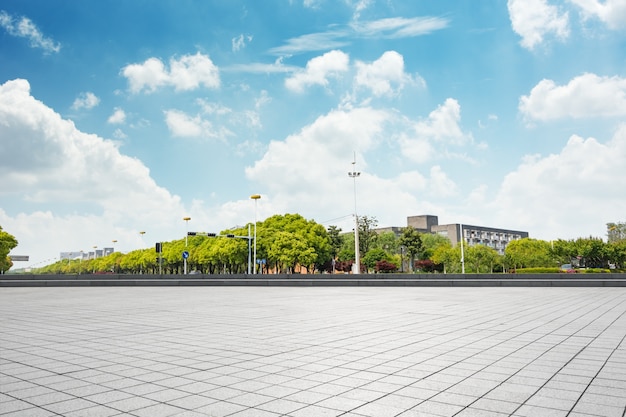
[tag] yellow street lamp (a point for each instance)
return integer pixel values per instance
(186, 219)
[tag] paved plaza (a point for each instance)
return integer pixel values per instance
(312, 352)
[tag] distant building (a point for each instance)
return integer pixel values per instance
(85, 256)
(473, 235)
(73, 255)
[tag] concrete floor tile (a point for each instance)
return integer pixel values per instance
(336, 347)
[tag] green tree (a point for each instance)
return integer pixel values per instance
(616, 232)
(7, 243)
(528, 253)
(430, 242)
(412, 242)
(388, 241)
(449, 257)
(367, 233)
(335, 240)
(481, 259)
(371, 258)
(306, 242)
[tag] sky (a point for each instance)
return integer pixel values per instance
(122, 117)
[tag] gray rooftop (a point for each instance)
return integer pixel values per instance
(312, 351)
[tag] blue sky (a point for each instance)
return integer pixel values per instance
(119, 117)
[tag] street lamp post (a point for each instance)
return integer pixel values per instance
(357, 261)
(142, 245)
(462, 251)
(255, 197)
(114, 242)
(186, 219)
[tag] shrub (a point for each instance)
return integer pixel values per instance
(385, 267)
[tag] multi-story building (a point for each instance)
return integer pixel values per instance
(473, 235)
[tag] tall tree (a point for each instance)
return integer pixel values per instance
(412, 242)
(616, 231)
(367, 234)
(335, 240)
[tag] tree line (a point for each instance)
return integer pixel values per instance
(292, 244)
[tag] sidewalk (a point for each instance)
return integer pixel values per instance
(322, 351)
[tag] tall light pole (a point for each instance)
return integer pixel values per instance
(462, 252)
(142, 245)
(114, 242)
(255, 197)
(186, 219)
(357, 261)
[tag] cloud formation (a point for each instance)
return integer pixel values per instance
(86, 100)
(563, 185)
(610, 12)
(318, 70)
(534, 20)
(24, 28)
(587, 95)
(186, 73)
(340, 36)
(50, 163)
(118, 117)
(385, 76)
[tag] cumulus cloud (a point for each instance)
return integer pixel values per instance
(385, 76)
(186, 73)
(291, 172)
(24, 28)
(118, 117)
(534, 20)
(49, 163)
(588, 95)
(610, 12)
(86, 100)
(554, 195)
(318, 70)
(182, 125)
(433, 136)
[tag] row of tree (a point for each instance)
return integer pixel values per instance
(291, 244)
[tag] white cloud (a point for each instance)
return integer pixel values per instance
(611, 12)
(385, 76)
(182, 125)
(321, 41)
(49, 163)
(25, 28)
(118, 117)
(86, 100)
(240, 41)
(400, 27)
(119, 134)
(567, 195)
(588, 95)
(431, 138)
(187, 73)
(307, 172)
(319, 70)
(534, 20)
(359, 6)
(338, 36)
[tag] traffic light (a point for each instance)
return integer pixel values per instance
(191, 233)
(230, 235)
(210, 234)
(159, 247)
